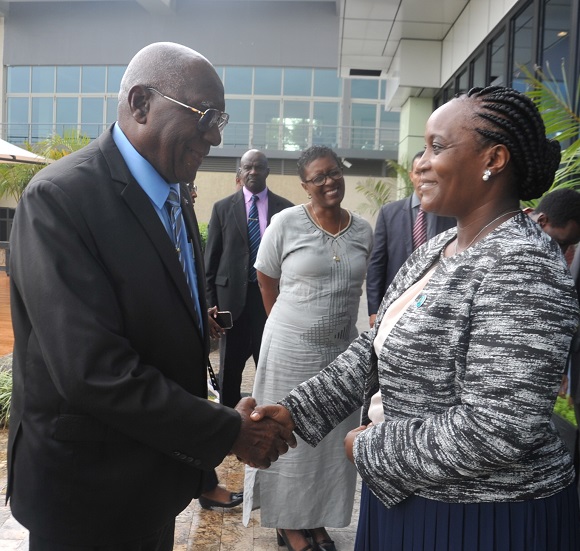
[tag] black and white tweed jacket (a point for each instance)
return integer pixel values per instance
(468, 377)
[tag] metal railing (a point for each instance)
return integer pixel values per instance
(271, 136)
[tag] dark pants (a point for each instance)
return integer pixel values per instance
(240, 342)
(162, 540)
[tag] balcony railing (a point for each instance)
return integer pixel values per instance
(296, 136)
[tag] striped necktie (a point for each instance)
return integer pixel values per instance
(253, 237)
(176, 222)
(419, 229)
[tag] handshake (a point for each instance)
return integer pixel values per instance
(265, 434)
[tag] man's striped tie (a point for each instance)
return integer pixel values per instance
(253, 236)
(419, 229)
(176, 221)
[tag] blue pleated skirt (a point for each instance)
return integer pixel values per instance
(419, 524)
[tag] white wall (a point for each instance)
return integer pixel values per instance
(475, 23)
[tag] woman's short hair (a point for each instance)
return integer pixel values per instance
(511, 118)
(311, 154)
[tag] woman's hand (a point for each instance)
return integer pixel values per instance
(349, 441)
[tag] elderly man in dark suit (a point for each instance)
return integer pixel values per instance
(397, 235)
(230, 275)
(111, 430)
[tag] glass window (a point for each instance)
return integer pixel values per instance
(42, 118)
(556, 36)
(237, 131)
(462, 82)
(522, 50)
(17, 117)
(296, 125)
(91, 116)
(327, 83)
(363, 122)
(67, 115)
(266, 124)
(364, 89)
(297, 82)
(478, 71)
(238, 80)
(112, 103)
(389, 130)
(114, 76)
(43, 80)
(93, 79)
(267, 81)
(18, 80)
(497, 69)
(68, 80)
(325, 123)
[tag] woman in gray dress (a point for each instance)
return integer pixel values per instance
(311, 266)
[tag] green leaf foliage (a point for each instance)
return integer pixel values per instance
(559, 107)
(565, 410)
(5, 397)
(15, 177)
(376, 193)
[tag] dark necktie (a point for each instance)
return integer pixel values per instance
(176, 222)
(419, 229)
(253, 236)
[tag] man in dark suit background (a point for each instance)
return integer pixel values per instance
(393, 240)
(111, 430)
(230, 277)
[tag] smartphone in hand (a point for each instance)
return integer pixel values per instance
(224, 320)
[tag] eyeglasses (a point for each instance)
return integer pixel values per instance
(192, 187)
(209, 117)
(320, 179)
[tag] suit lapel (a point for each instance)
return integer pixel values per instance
(140, 204)
(408, 224)
(239, 213)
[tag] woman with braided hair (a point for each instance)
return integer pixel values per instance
(459, 375)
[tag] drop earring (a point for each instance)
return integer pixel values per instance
(486, 175)
(309, 196)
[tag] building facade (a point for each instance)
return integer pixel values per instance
(361, 76)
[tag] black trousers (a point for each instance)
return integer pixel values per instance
(239, 343)
(162, 540)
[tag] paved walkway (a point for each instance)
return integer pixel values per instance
(196, 528)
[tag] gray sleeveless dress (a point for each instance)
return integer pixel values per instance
(311, 323)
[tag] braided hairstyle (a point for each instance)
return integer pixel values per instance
(311, 154)
(510, 118)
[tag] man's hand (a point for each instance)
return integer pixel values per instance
(260, 442)
(349, 442)
(215, 331)
(372, 319)
(276, 412)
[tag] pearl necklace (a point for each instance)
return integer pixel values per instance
(484, 228)
(335, 256)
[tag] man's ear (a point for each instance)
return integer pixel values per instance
(542, 219)
(138, 100)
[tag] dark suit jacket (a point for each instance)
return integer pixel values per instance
(110, 427)
(574, 382)
(393, 244)
(227, 252)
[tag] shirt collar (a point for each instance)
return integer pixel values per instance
(142, 170)
(248, 194)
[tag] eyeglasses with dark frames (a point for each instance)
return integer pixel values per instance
(320, 179)
(209, 117)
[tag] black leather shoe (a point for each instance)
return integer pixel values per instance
(235, 499)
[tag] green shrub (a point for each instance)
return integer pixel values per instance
(565, 410)
(5, 397)
(203, 232)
